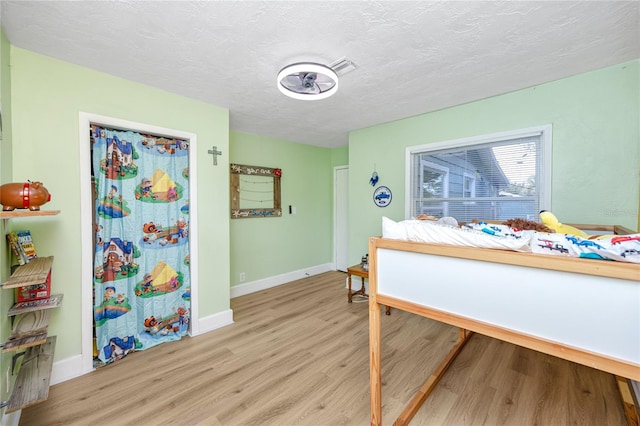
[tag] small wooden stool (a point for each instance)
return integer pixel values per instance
(359, 271)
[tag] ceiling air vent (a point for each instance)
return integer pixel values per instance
(343, 66)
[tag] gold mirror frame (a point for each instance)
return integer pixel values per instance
(238, 170)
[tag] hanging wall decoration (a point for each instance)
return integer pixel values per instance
(374, 177)
(255, 192)
(382, 196)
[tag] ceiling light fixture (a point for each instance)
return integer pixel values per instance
(307, 81)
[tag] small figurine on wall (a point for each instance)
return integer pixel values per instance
(374, 179)
(28, 195)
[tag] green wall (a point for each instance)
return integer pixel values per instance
(47, 96)
(596, 148)
(6, 296)
(267, 247)
(340, 156)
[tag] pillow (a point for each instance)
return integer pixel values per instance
(431, 232)
(393, 230)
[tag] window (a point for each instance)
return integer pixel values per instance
(469, 185)
(491, 177)
(434, 180)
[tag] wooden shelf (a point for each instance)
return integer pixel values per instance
(32, 384)
(35, 339)
(35, 305)
(32, 273)
(30, 329)
(27, 213)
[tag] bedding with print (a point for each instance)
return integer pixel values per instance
(623, 248)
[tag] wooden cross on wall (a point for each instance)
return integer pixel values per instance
(215, 154)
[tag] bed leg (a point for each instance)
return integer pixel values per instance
(375, 344)
(631, 409)
(375, 375)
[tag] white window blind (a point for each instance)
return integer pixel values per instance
(494, 177)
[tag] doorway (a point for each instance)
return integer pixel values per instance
(341, 217)
(88, 230)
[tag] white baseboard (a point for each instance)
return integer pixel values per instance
(11, 419)
(265, 283)
(67, 369)
(213, 322)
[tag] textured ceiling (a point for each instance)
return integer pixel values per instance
(413, 57)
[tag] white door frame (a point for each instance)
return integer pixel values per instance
(335, 217)
(85, 121)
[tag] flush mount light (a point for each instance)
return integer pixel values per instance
(307, 81)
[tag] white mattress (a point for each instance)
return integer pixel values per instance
(482, 235)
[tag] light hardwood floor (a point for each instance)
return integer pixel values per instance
(298, 355)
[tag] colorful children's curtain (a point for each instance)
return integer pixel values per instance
(141, 283)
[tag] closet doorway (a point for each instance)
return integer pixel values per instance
(139, 276)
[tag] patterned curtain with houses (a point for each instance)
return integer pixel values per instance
(141, 282)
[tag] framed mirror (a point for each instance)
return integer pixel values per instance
(255, 192)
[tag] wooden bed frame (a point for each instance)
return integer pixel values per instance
(582, 310)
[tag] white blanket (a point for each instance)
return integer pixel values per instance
(426, 231)
(624, 248)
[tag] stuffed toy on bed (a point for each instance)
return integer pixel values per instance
(520, 224)
(550, 220)
(576, 243)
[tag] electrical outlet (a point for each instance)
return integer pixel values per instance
(242, 277)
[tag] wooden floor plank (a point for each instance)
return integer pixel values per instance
(298, 354)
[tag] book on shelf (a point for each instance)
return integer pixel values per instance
(26, 242)
(16, 248)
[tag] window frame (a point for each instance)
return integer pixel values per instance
(546, 137)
